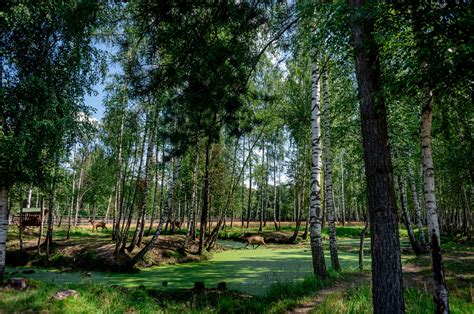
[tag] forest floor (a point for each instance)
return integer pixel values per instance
(353, 295)
(87, 250)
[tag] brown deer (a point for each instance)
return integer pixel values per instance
(259, 240)
(96, 225)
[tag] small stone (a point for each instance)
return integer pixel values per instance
(18, 283)
(63, 294)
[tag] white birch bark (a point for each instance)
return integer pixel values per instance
(441, 292)
(28, 203)
(328, 175)
(315, 212)
(416, 203)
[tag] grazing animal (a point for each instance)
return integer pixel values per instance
(259, 240)
(99, 224)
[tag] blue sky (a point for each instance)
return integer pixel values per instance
(96, 101)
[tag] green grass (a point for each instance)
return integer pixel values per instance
(359, 300)
(100, 298)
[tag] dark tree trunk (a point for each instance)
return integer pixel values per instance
(387, 285)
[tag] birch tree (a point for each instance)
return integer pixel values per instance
(328, 174)
(315, 210)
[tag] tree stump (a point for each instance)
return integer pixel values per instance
(222, 286)
(18, 283)
(199, 286)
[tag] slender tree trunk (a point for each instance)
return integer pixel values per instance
(249, 204)
(342, 205)
(315, 211)
(406, 218)
(139, 187)
(20, 227)
(440, 289)
(262, 190)
(3, 227)
(361, 245)
(106, 218)
(387, 284)
(163, 216)
(71, 208)
(79, 195)
(147, 188)
(49, 232)
(328, 175)
(155, 193)
(274, 189)
(40, 234)
(192, 212)
(28, 202)
(416, 203)
(205, 198)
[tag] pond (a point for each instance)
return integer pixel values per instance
(246, 270)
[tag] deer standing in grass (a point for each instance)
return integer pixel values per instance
(259, 240)
(96, 225)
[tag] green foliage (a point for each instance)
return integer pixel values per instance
(48, 63)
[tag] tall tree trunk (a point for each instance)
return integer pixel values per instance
(106, 217)
(440, 289)
(274, 188)
(249, 203)
(40, 233)
(20, 227)
(71, 208)
(3, 227)
(139, 187)
(192, 212)
(416, 203)
(161, 187)
(342, 196)
(28, 202)
(163, 216)
(79, 195)
(147, 188)
(415, 245)
(315, 211)
(361, 245)
(387, 284)
(205, 198)
(328, 175)
(262, 190)
(49, 232)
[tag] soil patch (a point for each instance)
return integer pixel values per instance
(89, 253)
